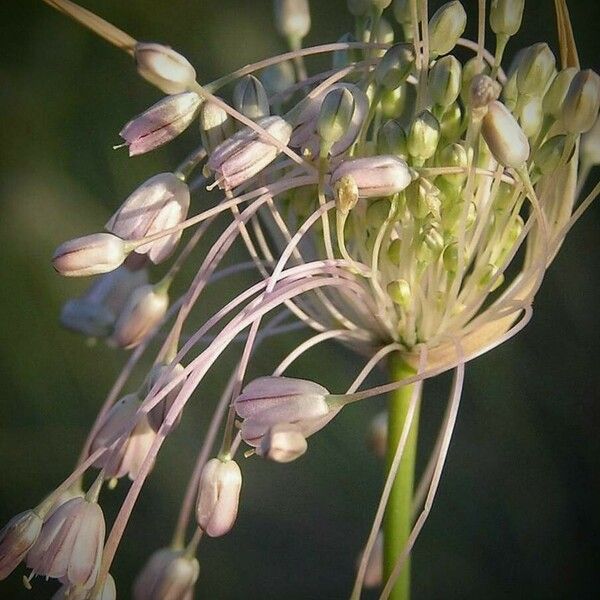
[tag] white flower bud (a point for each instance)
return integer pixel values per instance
(292, 18)
(445, 27)
(218, 496)
(215, 125)
(445, 81)
(89, 255)
(395, 66)
(250, 98)
(504, 137)
(164, 68)
(335, 115)
(554, 98)
(582, 102)
(391, 139)
(16, 539)
(384, 34)
(277, 78)
(535, 70)
(506, 16)
(283, 443)
(423, 136)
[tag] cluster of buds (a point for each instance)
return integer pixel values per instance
(381, 201)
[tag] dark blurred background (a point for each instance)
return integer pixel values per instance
(517, 511)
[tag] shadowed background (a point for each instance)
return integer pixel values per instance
(516, 515)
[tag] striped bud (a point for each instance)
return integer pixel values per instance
(582, 102)
(292, 18)
(454, 155)
(504, 137)
(395, 66)
(445, 27)
(423, 136)
(535, 70)
(445, 81)
(391, 139)
(335, 115)
(250, 98)
(164, 68)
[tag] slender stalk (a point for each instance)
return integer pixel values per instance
(397, 520)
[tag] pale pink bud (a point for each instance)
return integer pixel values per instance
(158, 204)
(168, 70)
(144, 311)
(129, 456)
(283, 443)
(89, 255)
(67, 592)
(16, 538)
(70, 544)
(375, 176)
(374, 571)
(247, 152)
(158, 414)
(161, 123)
(218, 496)
(168, 575)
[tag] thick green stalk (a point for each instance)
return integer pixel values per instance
(397, 521)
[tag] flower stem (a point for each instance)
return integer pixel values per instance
(397, 520)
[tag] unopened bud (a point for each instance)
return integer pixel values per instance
(489, 274)
(394, 252)
(278, 78)
(250, 98)
(215, 125)
(535, 70)
(346, 193)
(358, 8)
(89, 255)
(375, 176)
(423, 136)
(161, 123)
(531, 116)
(450, 257)
(164, 68)
(554, 98)
(392, 139)
(395, 66)
(504, 137)
(451, 125)
(16, 539)
(283, 443)
(445, 27)
(399, 291)
(582, 102)
(423, 199)
(247, 152)
(335, 115)
(292, 18)
(158, 204)
(548, 156)
(472, 68)
(590, 145)
(143, 312)
(402, 11)
(506, 16)
(445, 81)
(384, 34)
(484, 90)
(218, 496)
(454, 155)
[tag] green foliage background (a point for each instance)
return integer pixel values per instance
(517, 512)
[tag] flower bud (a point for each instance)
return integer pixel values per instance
(394, 251)
(250, 98)
(504, 137)
(445, 27)
(451, 125)
(283, 443)
(335, 115)
(582, 102)
(278, 78)
(548, 156)
(215, 125)
(375, 176)
(292, 18)
(402, 12)
(247, 152)
(399, 291)
(531, 116)
(590, 145)
(506, 16)
(423, 136)
(70, 544)
(554, 98)
(395, 66)
(445, 81)
(454, 155)
(384, 34)
(16, 539)
(535, 70)
(143, 312)
(158, 414)
(161, 123)
(169, 574)
(392, 139)
(473, 67)
(163, 67)
(218, 496)
(483, 90)
(89, 255)
(346, 193)
(423, 199)
(450, 257)
(108, 592)
(158, 204)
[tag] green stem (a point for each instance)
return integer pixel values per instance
(397, 521)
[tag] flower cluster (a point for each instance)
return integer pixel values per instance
(381, 202)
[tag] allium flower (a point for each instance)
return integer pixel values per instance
(405, 202)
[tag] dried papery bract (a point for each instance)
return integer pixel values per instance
(16, 539)
(159, 204)
(283, 443)
(218, 496)
(164, 67)
(169, 574)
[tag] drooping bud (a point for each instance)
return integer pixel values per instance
(158, 414)
(70, 544)
(548, 156)
(292, 18)
(278, 78)
(445, 81)
(161, 123)
(164, 68)
(215, 125)
(283, 443)
(423, 136)
(506, 16)
(158, 204)
(582, 102)
(504, 137)
(16, 539)
(218, 496)
(143, 312)
(250, 98)
(247, 152)
(335, 115)
(108, 592)
(535, 70)
(445, 27)
(554, 98)
(89, 255)
(395, 66)
(392, 139)
(169, 574)
(375, 176)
